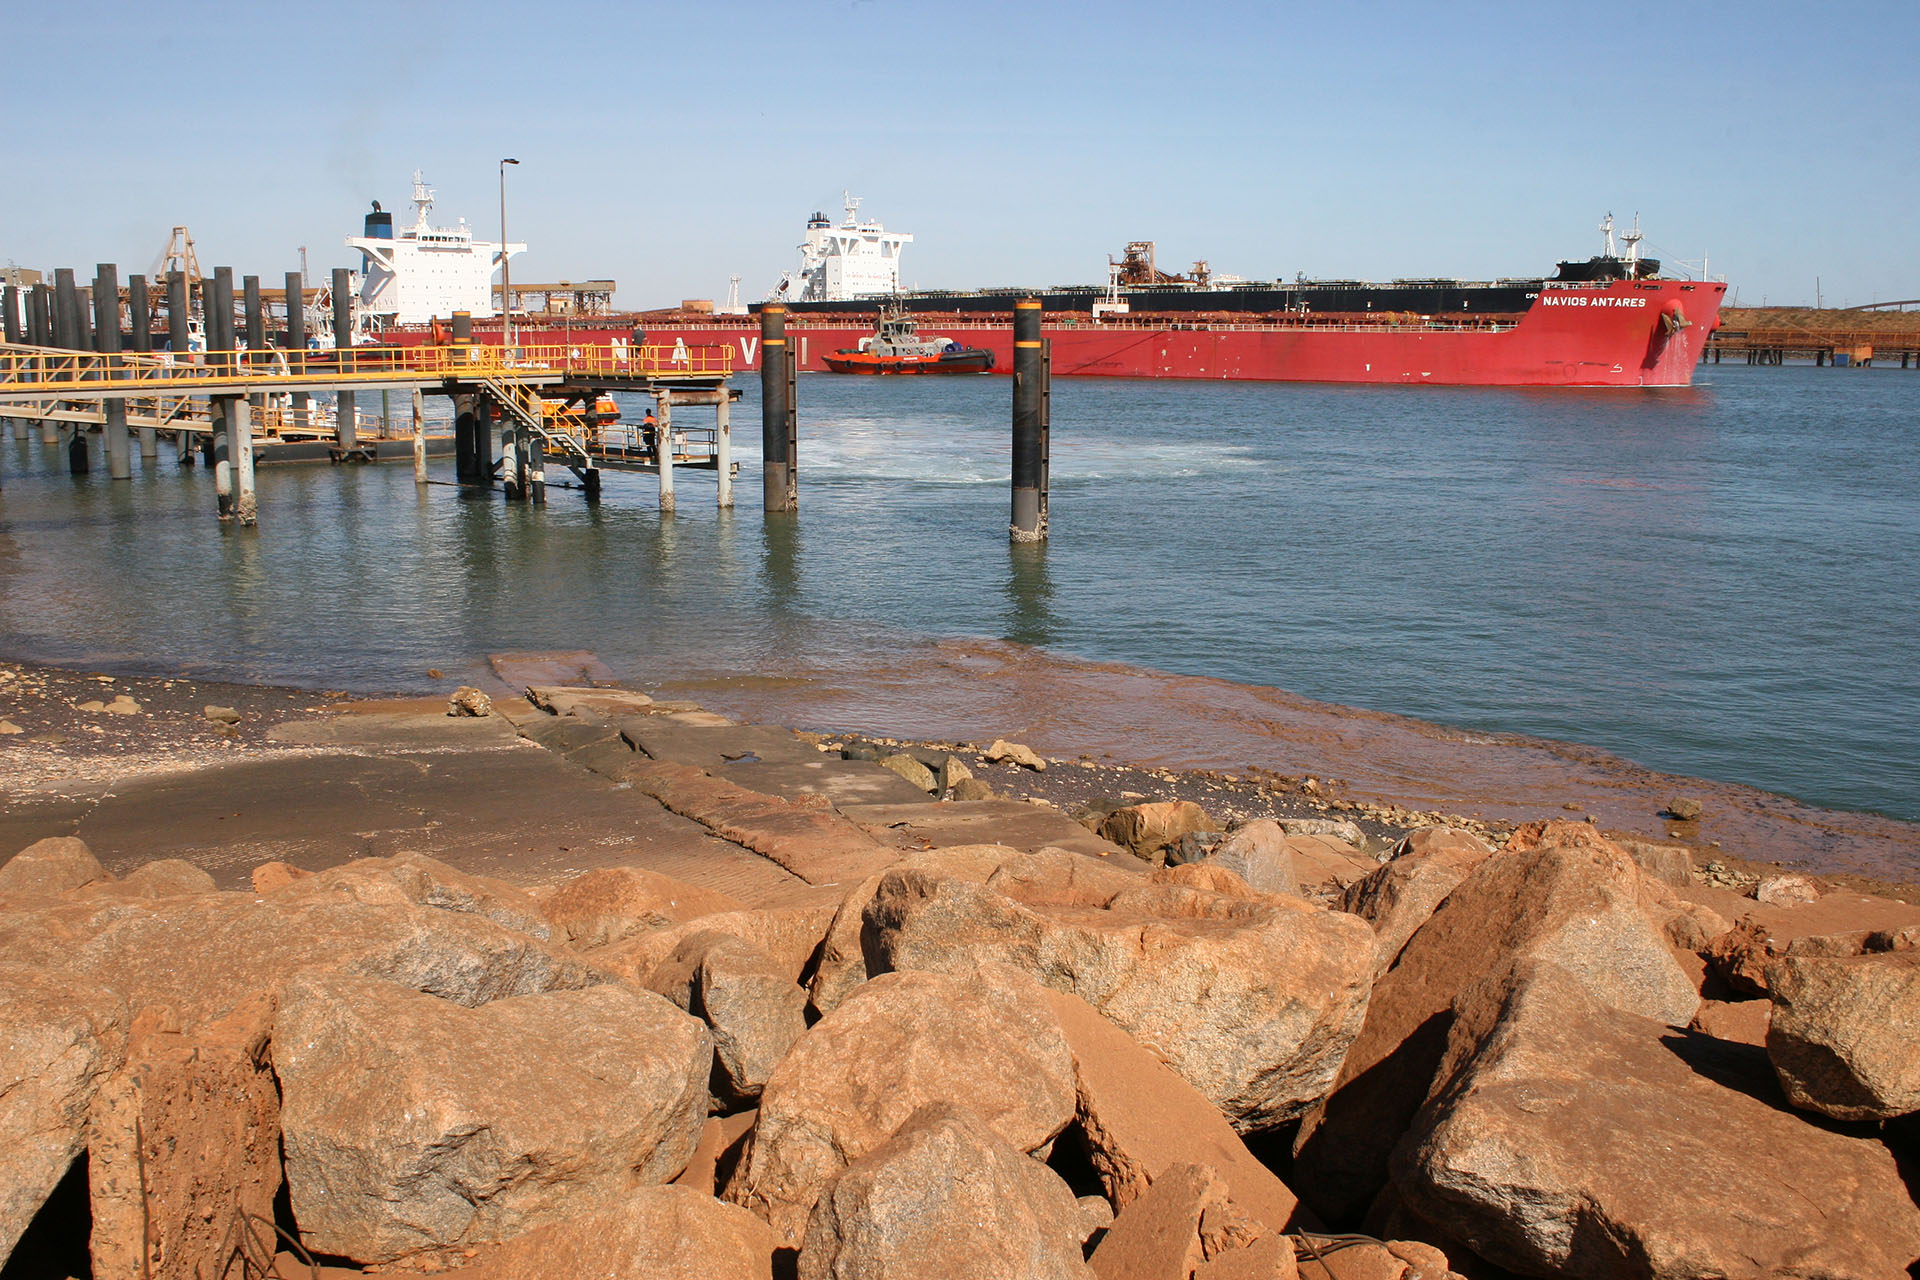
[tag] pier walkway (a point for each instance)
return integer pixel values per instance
(537, 403)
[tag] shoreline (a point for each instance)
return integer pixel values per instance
(1385, 772)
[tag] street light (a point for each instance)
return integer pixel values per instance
(506, 267)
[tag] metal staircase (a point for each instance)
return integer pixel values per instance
(522, 402)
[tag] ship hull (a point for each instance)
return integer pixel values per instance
(1623, 333)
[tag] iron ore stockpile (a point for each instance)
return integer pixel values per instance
(558, 980)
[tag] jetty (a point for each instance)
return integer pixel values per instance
(79, 365)
(1841, 339)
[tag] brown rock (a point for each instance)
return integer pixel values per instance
(1685, 808)
(202, 954)
(789, 935)
(843, 961)
(1207, 876)
(183, 1141)
(1688, 925)
(59, 1041)
(910, 769)
(604, 906)
(161, 878)
(1268, 1258)
(1398, 897)
(1668, 863)
(1740, 957)
(1325, 866)
(1024, 756)
(971, 789)
(897, 1043)
(271, 877)
(422, 881)
(1146, 829)
(754, 1010)
(654, 1233)
(1137, 1117)
(1257, 852)
(414, 1126)
(1252, 1002)
(721, 1144)
(1735, 1021)
(1180, 1221)
(1786, 891)
(1569, 896)
(1361, 1260)
(51, 866)
(469, 701)
(1567, 1138)
(945, 1198)
(1845, 1033)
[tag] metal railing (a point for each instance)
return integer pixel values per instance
(49, 371)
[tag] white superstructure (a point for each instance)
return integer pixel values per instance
(425, 272)
(853, 260)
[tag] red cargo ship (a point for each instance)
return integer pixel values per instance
(1611, 321)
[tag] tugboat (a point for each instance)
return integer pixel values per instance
(896, 347)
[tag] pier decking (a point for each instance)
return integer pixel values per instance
(541, 399)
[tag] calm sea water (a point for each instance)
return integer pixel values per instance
(1720, 581)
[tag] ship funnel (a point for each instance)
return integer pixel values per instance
(379, 224)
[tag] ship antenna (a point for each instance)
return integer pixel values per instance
(422, 198)
(1633, 239)
(852, 203)
(1606, 228)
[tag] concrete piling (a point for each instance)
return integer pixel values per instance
(663, 447)
(723, 450)
(40, 315)
(40, 334)
(139, 315)
(66, 310)
(179, 310)
(66, 334)
(256, 318)
(1031, 396)
(240, 436)
(218, 309)
(219, 409)
(534, 450)
(346, 433)
(419, 438)
(778, 420)
(485, 428)
(296, 344)
(15, 330)
(140, 337)
(106, 324)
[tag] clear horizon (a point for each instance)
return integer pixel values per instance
(668, 148)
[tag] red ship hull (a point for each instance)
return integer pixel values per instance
(1623, 333)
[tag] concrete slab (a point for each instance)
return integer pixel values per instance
(713, 747)
(400, 730)
(554, 667)
(569, 700)
(842, 782)
(524, 815)
(937, 825)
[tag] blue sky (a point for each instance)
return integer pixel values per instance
(668, 146)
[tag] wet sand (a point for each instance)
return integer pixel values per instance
(1236, 747)
(978, 690)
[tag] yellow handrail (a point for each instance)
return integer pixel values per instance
(53, 372)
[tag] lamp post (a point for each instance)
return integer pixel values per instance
(506, 268)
